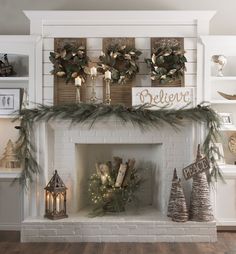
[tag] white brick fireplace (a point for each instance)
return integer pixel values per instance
(73, 150)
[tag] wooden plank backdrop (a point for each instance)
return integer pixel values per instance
(120, 94)
(66, 92)
(94, 48)
(174, 83)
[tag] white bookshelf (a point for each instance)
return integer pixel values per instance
(222, 45)
(14, 79)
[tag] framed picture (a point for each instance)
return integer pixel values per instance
(9, 101)
(219, 153)
(226, 118)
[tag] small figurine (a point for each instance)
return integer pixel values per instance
(5, 68)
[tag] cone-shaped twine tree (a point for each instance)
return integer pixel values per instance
(200, 202)
(172, 193)
(180, 210)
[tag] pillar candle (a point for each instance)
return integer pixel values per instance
(58, 203)
(107, 74)
(93, 71)
(78, 81)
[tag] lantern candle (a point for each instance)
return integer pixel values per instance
(55, 198)
(48, 202)
(58, 203)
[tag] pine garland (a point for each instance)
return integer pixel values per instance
(140, 116)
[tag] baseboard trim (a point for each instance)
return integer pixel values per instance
(10, 227)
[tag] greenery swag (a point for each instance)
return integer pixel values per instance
(69, 62)
(140, 116)
(167, 62)
(120, 60)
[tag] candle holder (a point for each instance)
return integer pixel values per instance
(93, 98)
(77, 96)
(55, 198)
(108, 92)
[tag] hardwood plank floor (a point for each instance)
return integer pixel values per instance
(9, 244)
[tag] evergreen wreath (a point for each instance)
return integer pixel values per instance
(121, 61)
(141, 116)
(167, 62)
(70, 62)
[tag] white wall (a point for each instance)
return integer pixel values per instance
(13, 21)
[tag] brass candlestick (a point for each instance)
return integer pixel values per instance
(108, 92)
(93, 98)
(77, 96)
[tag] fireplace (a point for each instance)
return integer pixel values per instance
(148, 163)
(72, 150)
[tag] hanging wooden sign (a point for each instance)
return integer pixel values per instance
(169, 97)
(197, 167)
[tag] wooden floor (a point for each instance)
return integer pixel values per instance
(9, 244)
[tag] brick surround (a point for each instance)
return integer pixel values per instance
(150, 224)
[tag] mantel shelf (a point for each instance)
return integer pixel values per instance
(224, 78)
(14, 79)
(7, 116)
(228, 128)
(223, 101)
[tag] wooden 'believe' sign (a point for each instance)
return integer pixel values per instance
(197, 167)
(169, 97)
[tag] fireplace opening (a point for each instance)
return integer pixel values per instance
(148, 163)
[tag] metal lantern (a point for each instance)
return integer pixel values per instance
(55, 198)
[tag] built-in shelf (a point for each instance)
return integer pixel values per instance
(14, 79)
(228, 128)
(228, 170)
(7, 116)
(223, 101)
(6, 173)
(223, 78)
